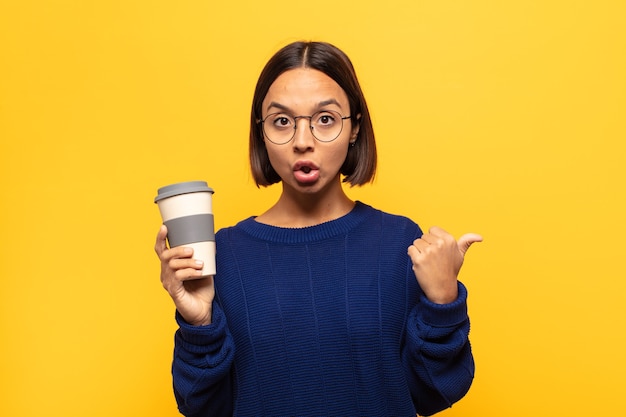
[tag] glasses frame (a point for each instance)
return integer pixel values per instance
(295, 125)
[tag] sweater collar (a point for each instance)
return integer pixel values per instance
(318, 232)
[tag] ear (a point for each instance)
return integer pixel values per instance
(355, 128)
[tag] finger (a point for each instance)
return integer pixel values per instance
(420, 245)
(413, 253)
(428, 238)
(438, 237)
(438, 231)
(168, 255)
(467, 240)
(188, 274)
(179, 252)
(161, 238)
(185, 263)
(173, 282)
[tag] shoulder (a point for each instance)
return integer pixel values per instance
(393, 222)
(227, 233)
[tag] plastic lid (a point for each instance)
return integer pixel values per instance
(182, 188)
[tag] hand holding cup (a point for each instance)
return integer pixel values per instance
(188, 264)
(183, 279)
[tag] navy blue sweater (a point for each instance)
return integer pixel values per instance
(325, 320)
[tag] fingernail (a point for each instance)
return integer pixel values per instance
(187, 251)
(199, 263)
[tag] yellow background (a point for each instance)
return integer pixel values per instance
(504, 118)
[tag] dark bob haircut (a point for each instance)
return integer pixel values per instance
(360, 164)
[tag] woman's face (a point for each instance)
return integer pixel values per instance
(304, 163)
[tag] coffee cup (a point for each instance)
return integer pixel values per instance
(187, 211)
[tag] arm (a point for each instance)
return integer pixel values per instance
(204, 349)
(203, 356)
(437, 352)
(437, 355)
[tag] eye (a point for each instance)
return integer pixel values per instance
(280, 121)
(325, 119)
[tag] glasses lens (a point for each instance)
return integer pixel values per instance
(326, 125)
(279, 128)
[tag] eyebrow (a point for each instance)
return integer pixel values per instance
(321, 104)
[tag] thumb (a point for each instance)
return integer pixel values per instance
(466, 241)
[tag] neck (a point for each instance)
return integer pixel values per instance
(297, 209)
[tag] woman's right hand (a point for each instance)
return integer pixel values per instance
(182, 277)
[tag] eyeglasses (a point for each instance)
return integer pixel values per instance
(325, 125)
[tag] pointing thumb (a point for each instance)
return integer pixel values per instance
(466, 241)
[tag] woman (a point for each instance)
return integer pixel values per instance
(321, 305)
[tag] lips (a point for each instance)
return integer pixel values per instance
(305, 172)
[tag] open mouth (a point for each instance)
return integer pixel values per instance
(306, 172)
(304, 166)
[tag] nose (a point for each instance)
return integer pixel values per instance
(303, 139)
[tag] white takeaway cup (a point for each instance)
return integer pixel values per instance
(187, 211)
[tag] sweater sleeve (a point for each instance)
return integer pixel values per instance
(437, 354)
(203, 356)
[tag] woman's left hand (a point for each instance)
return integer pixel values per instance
(437, 258)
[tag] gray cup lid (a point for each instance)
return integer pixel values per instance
(182, 188)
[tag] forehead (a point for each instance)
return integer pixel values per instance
(304, 88)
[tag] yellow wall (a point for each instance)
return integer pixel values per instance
(504, 118)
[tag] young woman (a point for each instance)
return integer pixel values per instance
(321, 305)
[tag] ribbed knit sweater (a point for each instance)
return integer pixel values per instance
(325, 320)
